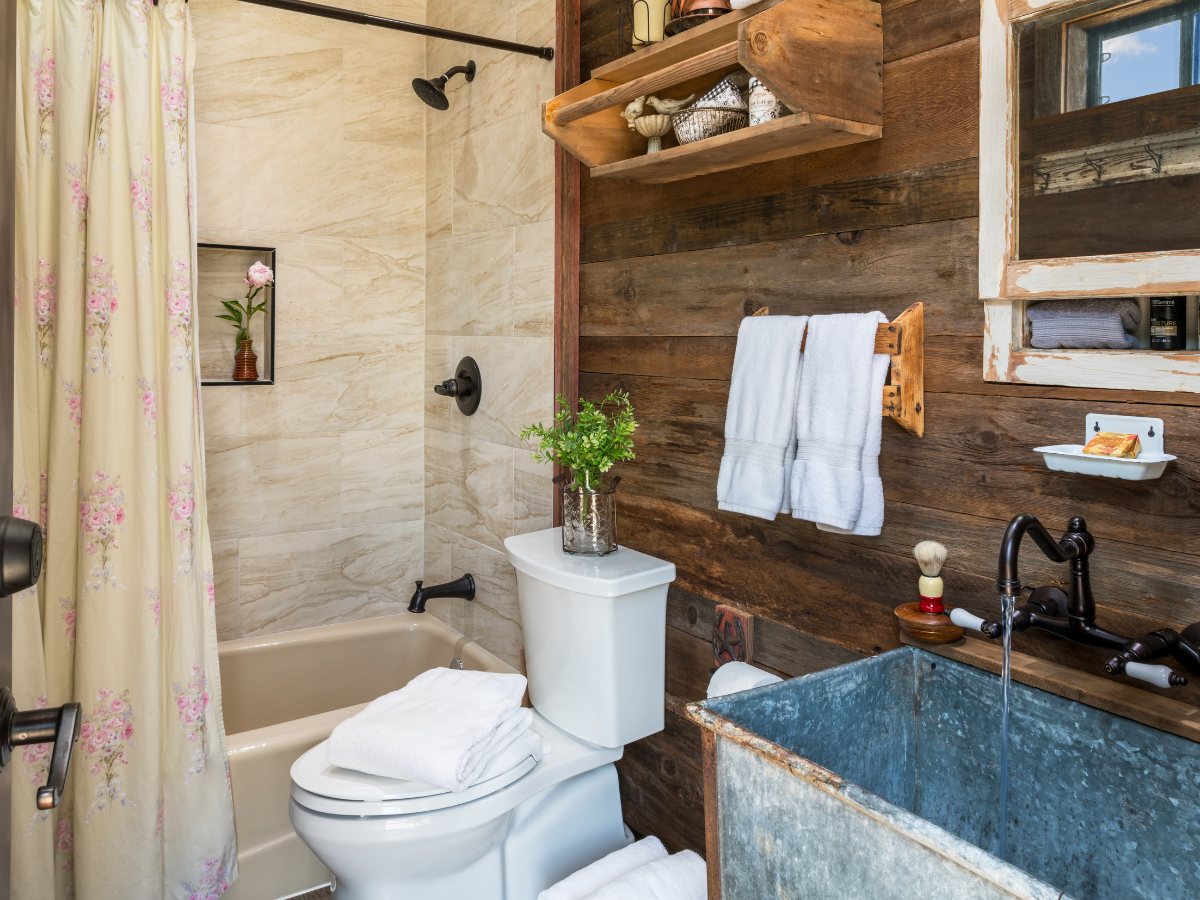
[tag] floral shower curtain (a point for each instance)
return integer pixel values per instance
(108, 457)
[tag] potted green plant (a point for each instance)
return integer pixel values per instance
(258, 276)
(587, 445)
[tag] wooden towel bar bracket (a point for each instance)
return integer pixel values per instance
(904, 340)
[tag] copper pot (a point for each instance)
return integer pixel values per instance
(684, 7)
(245, 362)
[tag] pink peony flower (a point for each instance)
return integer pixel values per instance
(259, 275)
(117, 705)
(127, 733)
(120, 516)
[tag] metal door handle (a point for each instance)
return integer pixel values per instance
(59, 726)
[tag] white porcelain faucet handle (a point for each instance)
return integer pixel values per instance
(964, 619)
(1159, 676)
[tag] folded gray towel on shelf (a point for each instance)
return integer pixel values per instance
(1128, 310)
(1077, 333)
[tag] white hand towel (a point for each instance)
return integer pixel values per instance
(683, 876)
(591, 878)
(442, 728)
(840, 393)
(870, 516)
(760, 418)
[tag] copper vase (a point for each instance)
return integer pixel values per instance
(245, 362)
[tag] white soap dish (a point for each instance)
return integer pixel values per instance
(1150, 464)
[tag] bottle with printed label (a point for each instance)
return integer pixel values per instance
(764, 106)
(1168, 316)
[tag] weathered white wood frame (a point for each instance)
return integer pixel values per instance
(1005, 284)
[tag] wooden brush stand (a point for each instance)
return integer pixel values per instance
(931, 628)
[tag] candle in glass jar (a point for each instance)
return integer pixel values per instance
(649, 16)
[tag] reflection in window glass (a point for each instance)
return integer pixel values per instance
(1140, 63)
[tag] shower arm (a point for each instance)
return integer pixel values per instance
(358, 18)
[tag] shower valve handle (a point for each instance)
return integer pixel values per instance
(466, 387)
(454, 387)
(58, 726)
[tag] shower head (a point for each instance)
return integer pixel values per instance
(433, 91)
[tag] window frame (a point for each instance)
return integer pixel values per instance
(1006, 284)
(1184, 12)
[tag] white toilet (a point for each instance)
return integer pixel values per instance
(595, 634)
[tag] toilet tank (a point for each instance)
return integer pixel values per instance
(595, 637)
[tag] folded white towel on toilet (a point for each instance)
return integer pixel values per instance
(683, 876)
(442, 728)
(841, 391)
(591, 878)
(760, 420)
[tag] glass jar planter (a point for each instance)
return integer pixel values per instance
(589, 517)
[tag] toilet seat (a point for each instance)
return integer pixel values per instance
(561, 756)
(322, 787)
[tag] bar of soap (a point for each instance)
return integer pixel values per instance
(1109, 443)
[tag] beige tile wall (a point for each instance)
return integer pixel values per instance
(489, 228)
(309, 139)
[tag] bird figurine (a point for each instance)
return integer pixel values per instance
(669, 107)
(633, 111)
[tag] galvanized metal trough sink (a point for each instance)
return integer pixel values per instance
(879, 779)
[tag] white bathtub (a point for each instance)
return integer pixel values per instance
(284, 693)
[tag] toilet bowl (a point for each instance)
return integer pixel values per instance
(549, 803)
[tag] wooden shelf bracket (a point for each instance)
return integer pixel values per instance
(904, 340)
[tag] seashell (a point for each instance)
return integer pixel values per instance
(666, 107)
(633, 110)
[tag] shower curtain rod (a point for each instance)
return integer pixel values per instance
(357, 18)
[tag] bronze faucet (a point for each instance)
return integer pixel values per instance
(1079, 623)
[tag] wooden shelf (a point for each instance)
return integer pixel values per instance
(790, 136)
(822, 58)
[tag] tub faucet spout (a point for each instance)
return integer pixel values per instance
(463, 588)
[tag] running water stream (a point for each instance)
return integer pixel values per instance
(1008, 603)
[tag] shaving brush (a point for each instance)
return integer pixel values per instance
(928, 620)
(931, 556)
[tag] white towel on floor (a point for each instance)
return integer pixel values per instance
(683, 876)
(442, 728)
(870, 515)
(760, 419)
(841, 392)
(591, 878)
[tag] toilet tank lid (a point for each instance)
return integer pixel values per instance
(540, 555)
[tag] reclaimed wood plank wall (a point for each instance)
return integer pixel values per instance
(668, 271)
